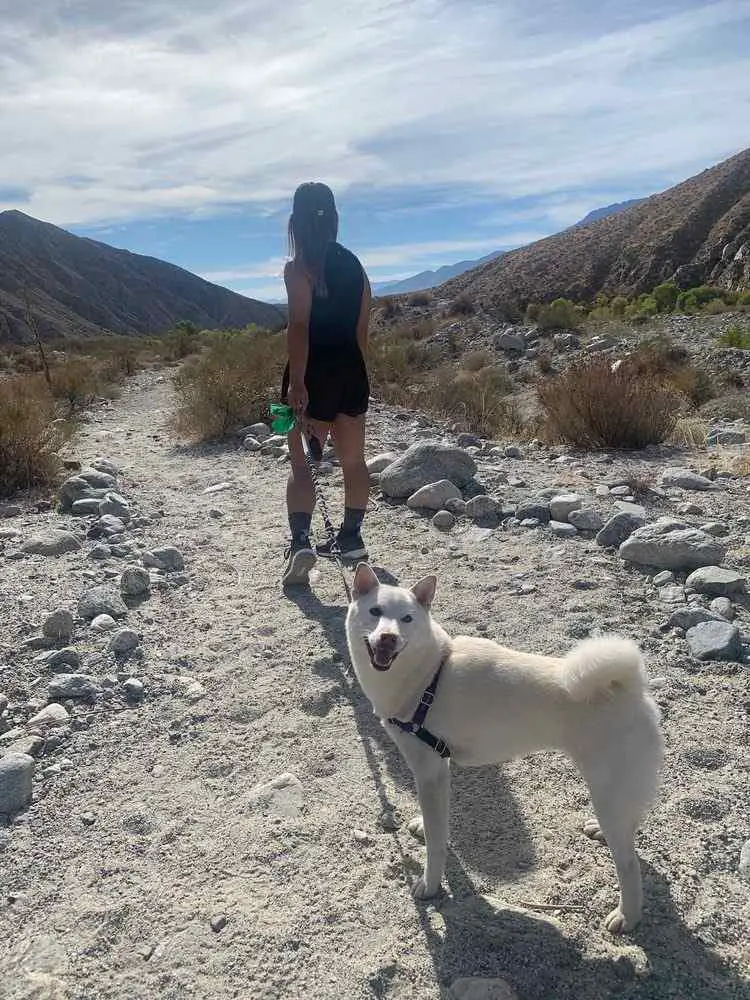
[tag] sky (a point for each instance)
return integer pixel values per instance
(447, 128)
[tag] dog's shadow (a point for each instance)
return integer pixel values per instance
(533, 954)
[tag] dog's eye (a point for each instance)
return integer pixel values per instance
(407, 619)
(376, 612)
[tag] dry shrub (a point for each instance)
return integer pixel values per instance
(76, 382)
(544, 362)
(591, 406)
(231, 384)
(462, 305)
(30, 436)
(474, 361)
(664, 362)
(394, 357)
(421, 299)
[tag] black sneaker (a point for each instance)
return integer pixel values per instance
(349, 546)
(300, 559)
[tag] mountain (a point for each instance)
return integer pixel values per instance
(696, 232)
(80, 287)
(431, 279)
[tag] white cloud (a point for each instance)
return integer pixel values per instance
(118, 111)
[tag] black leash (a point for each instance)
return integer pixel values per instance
(320, 497)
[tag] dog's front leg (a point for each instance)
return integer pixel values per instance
(432, 775)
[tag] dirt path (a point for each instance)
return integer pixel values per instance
(155, 866)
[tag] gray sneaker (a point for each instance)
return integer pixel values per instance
(300, 559)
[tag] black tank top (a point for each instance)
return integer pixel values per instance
(334, 317)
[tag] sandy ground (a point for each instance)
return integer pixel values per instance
(154, 865)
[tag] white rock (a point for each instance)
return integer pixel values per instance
(103, 623)
(50, 715)
(16, 774)
(561, 506)
(433, 496)
(283, 795)
(585, 519)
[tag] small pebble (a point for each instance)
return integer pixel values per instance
(218, 923)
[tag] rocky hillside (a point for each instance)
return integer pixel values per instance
(697, 232)
(79, 287)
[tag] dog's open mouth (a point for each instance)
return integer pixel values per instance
(381, 658)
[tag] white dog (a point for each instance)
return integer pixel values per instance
(481, 703)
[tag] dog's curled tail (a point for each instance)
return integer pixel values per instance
(605, 665)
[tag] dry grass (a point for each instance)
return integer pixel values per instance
(689, 432)
(661, 361)
(591, 406)
(30, 434)
(231, 384)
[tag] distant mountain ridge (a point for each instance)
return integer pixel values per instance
(432, 279)
(697, 232)
(81, 287)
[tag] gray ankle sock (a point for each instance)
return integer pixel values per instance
(299, 523)
(353, 518)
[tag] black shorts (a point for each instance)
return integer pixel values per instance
(336, 382)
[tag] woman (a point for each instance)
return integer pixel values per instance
(325, 381)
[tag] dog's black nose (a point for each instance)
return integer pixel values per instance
(387, 640)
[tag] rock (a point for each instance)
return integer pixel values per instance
(218, 488)
(456, 506)
(51, 715)
(685, 479)
(466, 440)
(73, 686)
(3, 702)
(481, 507)
(16, 774)
(103, 623)
(101, 600)
(561, 506)
(106, 466)
(167, 558)
(687, 509)
(662, 579)
(716, 581)
(693, 614)
(530, 522)
(426, 462)
(218, 923)
(512, 451)
(125, 640)
(58, 625)
(251, 443)
(107, 525)
(67, 657)
(722, 606)
(744, 866)
(283, 795)
(534, 510)
(10, 510)
(627, 507)
(444, 520)
(54, 542)
(715, 528)
(481, 989)
(668, 544)
(672, 594)
(725, 435)
(84, 508)
(100, 552)
(562, 529)
(134, 689)
(192, 689)
(379, 462)
(566, 342)
(135, 581)
(618, 529)
(391, 820)
(30, 745)
(511, 343)
(619, 491)
(260, 431)
(115, 505)
(434, 496)
(714, 640)
(585, 519)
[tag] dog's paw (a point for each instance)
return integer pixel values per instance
(594, 831)
(416, 828)
(423, 890)
(617, 923)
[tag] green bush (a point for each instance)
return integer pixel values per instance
(619, 305)
(735, 336)
(693, 299)
(561, 314)
(665, 296)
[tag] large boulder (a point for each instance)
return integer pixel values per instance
(668, 544)
(423, 463)
(716, 581)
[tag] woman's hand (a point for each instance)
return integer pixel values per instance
(297, 397)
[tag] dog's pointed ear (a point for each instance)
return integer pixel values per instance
(424, 591)
(364, 580)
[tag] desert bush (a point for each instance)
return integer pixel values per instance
(76, 382)
(743, 298)
(694, 299)
(716, 306)
(390, 308)
(736, 337)
(462, 305)
(663, 361)
(665, 296)
(478, 401)
(30, 434)
(561, 314)
(474, 361)
(619, 305)
(232, 383)
(531, 315)
(592, 406)
(544, 362)
(642, 309)
(421, 299)
(179, 343)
